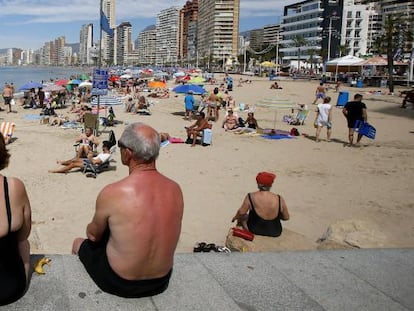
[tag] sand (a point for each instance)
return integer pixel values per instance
(322, 183)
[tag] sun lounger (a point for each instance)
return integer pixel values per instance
(7, 129)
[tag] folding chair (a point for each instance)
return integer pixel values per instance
(92, 170)
(7, 129)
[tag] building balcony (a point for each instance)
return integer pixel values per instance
(285, 19)
(304, 21)
(302, 31)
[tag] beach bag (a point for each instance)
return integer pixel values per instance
(112, 139)
(207, 137)
(294, 132)
(243, 233)
(364, 128)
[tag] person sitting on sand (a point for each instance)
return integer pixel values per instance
(276, 86)
(230, 121)
(141, 104)
(87, 140)
(262, 211)
(194, 130)
(80, 163)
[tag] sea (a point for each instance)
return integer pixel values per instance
(19, 75)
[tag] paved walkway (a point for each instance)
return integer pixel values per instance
(375, 279)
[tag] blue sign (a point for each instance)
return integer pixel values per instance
(100, 82)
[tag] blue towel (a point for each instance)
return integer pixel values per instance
(276, 136)
(32, 117)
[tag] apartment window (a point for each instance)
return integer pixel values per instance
(349, 15)
(358, 14)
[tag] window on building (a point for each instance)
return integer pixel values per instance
(349, 15)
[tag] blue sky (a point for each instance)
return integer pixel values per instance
(29, 23)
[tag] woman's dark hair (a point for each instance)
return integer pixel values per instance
(4, 154)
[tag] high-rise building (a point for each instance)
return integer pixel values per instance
(218, 29)
(256, 39)
(318, 23)
(167, 36)
(86, 44)
(187, 30)
(147, 46)
(123, 43)
(108, 48)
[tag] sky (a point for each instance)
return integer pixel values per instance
(28, 24)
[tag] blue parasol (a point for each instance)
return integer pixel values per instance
(30, 85)
(196, 89)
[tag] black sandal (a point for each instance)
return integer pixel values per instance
(199, 247)
(210, 247)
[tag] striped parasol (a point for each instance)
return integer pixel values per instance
(107, 100)
(277, 104)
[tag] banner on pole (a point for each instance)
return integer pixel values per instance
(100, 82)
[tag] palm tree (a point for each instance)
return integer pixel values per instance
(342, 50)
(299, 42)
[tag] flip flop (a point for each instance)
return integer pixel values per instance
(199, 247)
(223, 249)
(210, 247)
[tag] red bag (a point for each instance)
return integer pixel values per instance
(242, 233)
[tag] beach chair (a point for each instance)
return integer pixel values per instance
(91, 120)
(7, 129)
(92, 170)
(300, 118)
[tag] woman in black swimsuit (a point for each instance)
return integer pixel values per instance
(15, 226)
(262, 211)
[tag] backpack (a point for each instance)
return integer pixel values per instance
(112, 140)
(294, 132)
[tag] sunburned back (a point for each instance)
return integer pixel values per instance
(145, 225)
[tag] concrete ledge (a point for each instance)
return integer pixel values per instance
(374, 279)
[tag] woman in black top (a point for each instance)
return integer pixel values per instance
(262, 211)
(15, 226)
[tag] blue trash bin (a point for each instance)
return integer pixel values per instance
(342, 98)
(359, 83)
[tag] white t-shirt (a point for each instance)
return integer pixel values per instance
(103, 157)
(323, 112)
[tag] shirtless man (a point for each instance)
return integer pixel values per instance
(319, 93)
(196, 128)
(134, 232)
(230, 121)
(87, 140)
(8, 95)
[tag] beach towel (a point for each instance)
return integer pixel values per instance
(165, 143)
(176, 140)
(275, 136)
(32, 117)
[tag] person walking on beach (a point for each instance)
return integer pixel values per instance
(15, 227)
(133, 235)
(353, 111)
(8, 96)
(319, 93)
(189, 105)
(324, 118)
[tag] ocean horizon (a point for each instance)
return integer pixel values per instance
(19, 75)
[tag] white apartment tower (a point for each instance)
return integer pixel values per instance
(218, 28)
(147, 46)
(123, 43)
(108, 44)
(85, 44)
(167, 36)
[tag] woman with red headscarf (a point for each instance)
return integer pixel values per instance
(262, 211)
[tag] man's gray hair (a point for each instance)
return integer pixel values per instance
(144, 147)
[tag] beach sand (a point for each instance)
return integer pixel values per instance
(322, 183)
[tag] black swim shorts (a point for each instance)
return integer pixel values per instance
(93, 256)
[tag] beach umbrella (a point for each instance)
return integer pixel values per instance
(107, 100)
(126, 76)
(53, 88)
(179, 74)
(62, 82)
(196, 89)
(113, 78)
(268, 64)
(156, 84)
(84, 77)
(197, 80)
(276, 104)
(30, 85)
(75, 81)
(85, 84)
